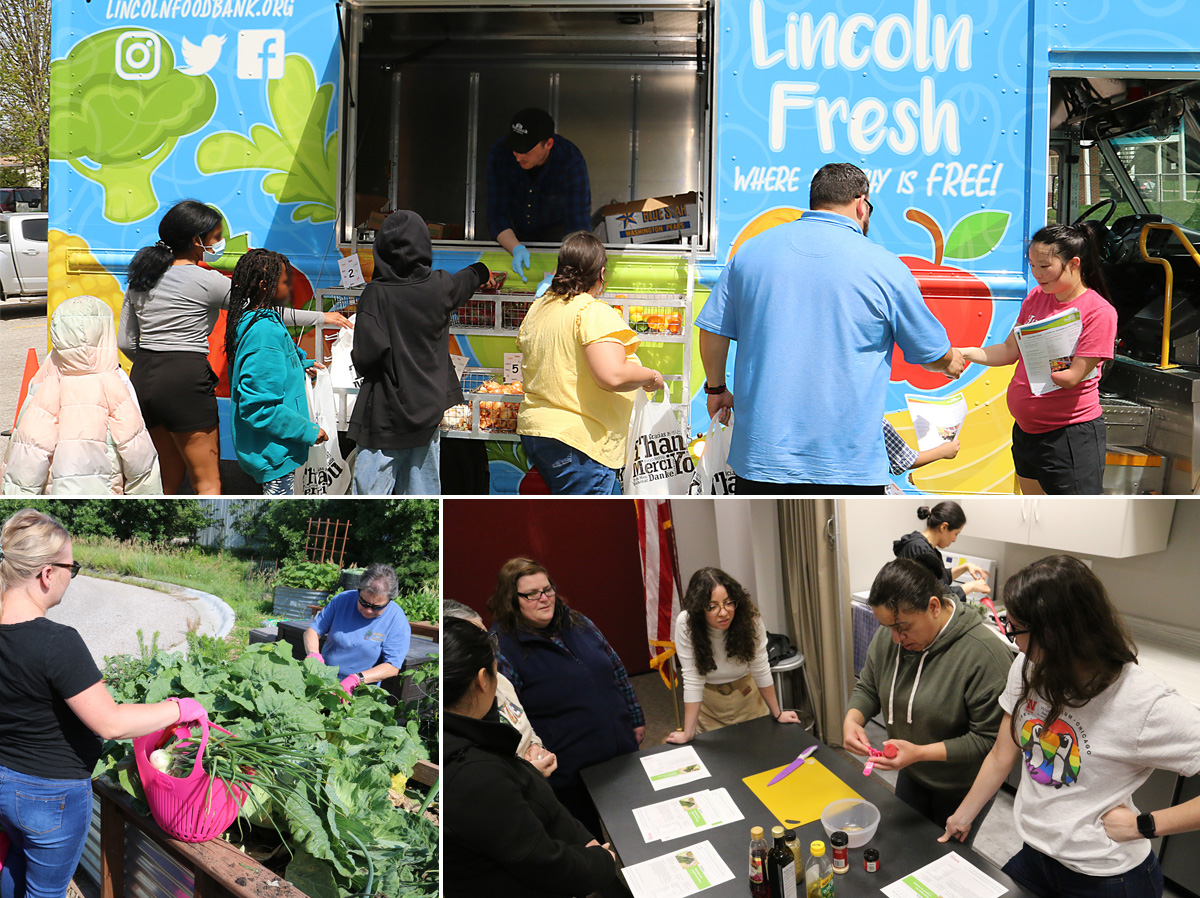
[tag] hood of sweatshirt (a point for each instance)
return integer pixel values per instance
(962, 621)
(490, 733)
(403, 250)
(83, 336)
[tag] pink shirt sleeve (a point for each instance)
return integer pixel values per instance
(1099, 329)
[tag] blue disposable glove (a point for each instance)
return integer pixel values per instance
(521, 261)
(544, 285)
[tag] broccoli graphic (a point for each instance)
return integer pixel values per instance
(117, 102)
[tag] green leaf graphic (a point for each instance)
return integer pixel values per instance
(302, 159)
(976, 235)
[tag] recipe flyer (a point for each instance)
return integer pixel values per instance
(1047, 346)
(674, 768)
(686, 871)
(686, 815)
(947, 877)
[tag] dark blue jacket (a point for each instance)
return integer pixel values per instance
(571, 696)
(544, 209)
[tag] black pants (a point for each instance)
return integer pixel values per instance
(936, 806)
(747, 487)
(1068, 461)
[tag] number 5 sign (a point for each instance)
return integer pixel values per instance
(512, 368)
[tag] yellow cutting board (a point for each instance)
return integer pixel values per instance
(800, 796)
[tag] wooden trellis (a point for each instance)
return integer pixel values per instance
(325, 540)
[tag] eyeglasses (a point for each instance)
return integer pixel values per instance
(371, 607)
(731, 605)
(73, 567)
(1011, 633)
(870, 208)
(534, 596)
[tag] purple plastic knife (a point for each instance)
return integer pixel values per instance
(800, 759)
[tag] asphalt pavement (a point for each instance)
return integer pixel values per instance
(22, 326)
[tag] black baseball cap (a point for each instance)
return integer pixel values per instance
(529, 128)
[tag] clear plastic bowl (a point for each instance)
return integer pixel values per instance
(858, 819)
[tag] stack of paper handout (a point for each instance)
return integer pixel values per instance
(686, 815)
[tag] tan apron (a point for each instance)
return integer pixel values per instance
(729, 703)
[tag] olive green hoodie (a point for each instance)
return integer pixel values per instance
(947, 693)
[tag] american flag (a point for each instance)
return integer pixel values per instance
(660, 567)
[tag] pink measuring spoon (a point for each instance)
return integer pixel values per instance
(889, 751)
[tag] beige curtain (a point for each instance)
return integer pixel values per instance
(808, 557)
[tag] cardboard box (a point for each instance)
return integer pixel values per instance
(654, 220)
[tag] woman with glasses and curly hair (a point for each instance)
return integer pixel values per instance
(722, 648)
(571, 683)
(1089, 726)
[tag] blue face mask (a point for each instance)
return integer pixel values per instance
(214, 252)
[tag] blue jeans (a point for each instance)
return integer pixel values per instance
(569, 472)
(399, 472)
(47, 821)
(1047, 878)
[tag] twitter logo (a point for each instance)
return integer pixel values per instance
(200, 59)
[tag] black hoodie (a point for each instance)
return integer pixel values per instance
(914, 545)
(402, 338)
(506, 834)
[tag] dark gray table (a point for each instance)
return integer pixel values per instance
(906, 841)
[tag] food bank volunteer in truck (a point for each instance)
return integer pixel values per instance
(297, 123)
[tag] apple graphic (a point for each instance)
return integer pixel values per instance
(959, 300)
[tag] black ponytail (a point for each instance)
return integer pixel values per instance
(252, 292)
(948, 512)
(183, 221)
(466, 650)
(1082, 240)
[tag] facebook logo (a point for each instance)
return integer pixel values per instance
(260, 54)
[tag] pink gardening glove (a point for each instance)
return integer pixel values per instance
(316, 655)
(190, 710)
(350, 683)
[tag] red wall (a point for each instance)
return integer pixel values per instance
(589, 546)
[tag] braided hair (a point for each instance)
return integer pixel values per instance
(581, 259)
(1069, 241)
(255, 279)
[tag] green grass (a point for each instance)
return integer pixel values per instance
(235, 580)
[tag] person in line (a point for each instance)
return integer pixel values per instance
(506, 834)
(366, 633)
(171, 306)
(943, 525)
(538, 188)
(579, 360)
(1089, 725)
(1058, 436)
(402, 353)
(936, 671)
(789, 294)
(271, 428)
(721, 644)
(507, 703)
(80, 431)
(570, 681)
(54, 712)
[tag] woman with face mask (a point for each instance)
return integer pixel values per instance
(722, 649)
(943, 525)
(936, 671)
(171, 306)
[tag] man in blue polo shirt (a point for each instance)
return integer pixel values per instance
(367, 635)
(537, 187)
(815, 308)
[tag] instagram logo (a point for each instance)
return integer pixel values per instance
(260, 54)
(139, 55)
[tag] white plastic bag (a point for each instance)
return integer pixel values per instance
(657, 462)
(713, 475)
(342, 375)
(325, 473)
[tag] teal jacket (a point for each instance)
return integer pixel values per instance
(272, 432)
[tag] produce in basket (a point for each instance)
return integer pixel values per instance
(499, 417)
(458, 417)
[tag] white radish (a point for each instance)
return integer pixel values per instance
(160, 760)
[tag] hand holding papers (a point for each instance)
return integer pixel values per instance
(1047, 346)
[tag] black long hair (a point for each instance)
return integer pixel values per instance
(466, 650)
(906, 584)
(947, 512)
(183, 221)
(739, 638)
(1071, 240)
(1082, 645)
(252, 292)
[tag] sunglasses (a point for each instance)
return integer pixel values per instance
(371, 607)
(73, 567)
(870, 208)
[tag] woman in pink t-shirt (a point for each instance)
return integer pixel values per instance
(1058, 437)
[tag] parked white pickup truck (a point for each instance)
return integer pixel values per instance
(24, 256)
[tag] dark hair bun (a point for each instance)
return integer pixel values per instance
(923, 512)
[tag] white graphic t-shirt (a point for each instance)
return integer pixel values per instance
(1091, 760)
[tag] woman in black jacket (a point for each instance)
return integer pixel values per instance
(505, 832)
(943, 524)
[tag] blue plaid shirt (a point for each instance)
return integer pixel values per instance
(901, 456)
(543, 209)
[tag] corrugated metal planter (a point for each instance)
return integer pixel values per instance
(292, 604)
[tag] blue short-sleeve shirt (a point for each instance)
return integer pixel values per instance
(354, 643)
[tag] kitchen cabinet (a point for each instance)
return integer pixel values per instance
(1110, 527)
(1181, 853)
(1157, 792)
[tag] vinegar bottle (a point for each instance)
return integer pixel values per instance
(758, 864)
(781, 867)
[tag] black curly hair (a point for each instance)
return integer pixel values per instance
(739, 639)
(255, 278)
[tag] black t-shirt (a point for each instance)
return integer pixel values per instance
(42, 664)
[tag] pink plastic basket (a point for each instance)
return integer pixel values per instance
(4, 846)
(194, 808)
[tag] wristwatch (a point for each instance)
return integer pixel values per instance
(362, 677)
(1145, 825)
(714, 391)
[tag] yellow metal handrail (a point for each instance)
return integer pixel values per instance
(1169, 272)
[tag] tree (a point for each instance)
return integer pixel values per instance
(25, 82)
(149, 520)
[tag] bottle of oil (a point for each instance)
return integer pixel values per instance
(758, 864)
(781, 867)
(794, 844)
(818, 873)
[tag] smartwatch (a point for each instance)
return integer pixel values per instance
(1145, 825)
(714, 391)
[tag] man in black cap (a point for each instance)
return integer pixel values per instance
(538, 188)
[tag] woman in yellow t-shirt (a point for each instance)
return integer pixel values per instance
(579, 362)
